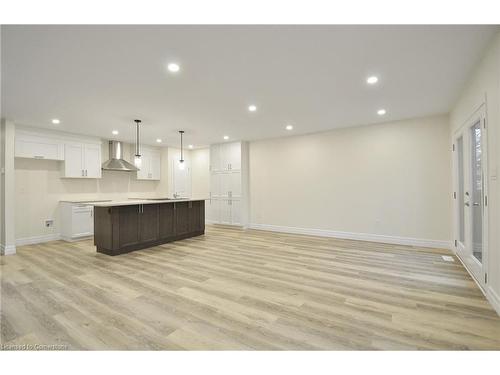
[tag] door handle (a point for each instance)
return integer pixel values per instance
(475, 204)
(467, 204)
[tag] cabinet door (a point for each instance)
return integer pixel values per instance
(82, 221)
(195, 216)
(215, 189)
(73, 160)
(235, 205)
(181, 218)
(234, 184)
(128, 221)
(224, 156)
(212, 210)
(225, 211)
(167, 220)
(225, 184)
(38, 148)
(155, 166)
(92, 156)
(233, 156)
(149, 223)
(144, 172)
(215, 158)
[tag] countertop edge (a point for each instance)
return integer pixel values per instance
(136, 202)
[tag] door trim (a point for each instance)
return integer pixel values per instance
(479, 114)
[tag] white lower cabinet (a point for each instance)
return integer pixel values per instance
(223, 211)
(77, 221)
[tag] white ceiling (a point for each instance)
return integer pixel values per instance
(99, 78)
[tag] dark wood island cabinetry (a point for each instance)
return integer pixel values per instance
(122, 228)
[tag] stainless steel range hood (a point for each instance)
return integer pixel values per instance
(116, 162)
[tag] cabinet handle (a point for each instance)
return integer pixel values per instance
(83, 174)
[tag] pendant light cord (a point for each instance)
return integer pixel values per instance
(137, 140)
(182, 154)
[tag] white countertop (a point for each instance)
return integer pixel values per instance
(131, 202)
(89, 201)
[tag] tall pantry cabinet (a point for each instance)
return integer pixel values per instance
(228, 200)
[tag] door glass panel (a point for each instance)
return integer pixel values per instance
(460, 193)
(476, 203)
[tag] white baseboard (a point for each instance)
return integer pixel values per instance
(494, 299)
(7, 249)
(37, 239)
(355, 236)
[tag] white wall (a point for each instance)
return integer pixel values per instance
(389, 179)
(484, 86)
(200, 167)
(7, 246)
(39, 189)
(2, 183)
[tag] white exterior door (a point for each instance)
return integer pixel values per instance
(470, 195)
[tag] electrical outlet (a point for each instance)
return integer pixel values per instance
(447, 258)
(49, 223)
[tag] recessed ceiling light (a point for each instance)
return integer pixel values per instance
(190, 146)
(226, 137)
(158, 140)
(56, 121)
(381, 112)
(289, 127)
(115, 132)
(173, 67)
(252, 108)
(372, 80)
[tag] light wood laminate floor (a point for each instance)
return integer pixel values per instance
(236, 289)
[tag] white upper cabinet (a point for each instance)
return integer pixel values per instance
(35, 147)
(225, 157)
(150, 165)
(92, 160)
(215, 162)
(82, 160)
(232, 156)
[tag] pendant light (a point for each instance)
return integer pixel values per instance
(137, 157)
(182, 165)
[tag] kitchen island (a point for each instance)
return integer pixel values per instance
(121, 227)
